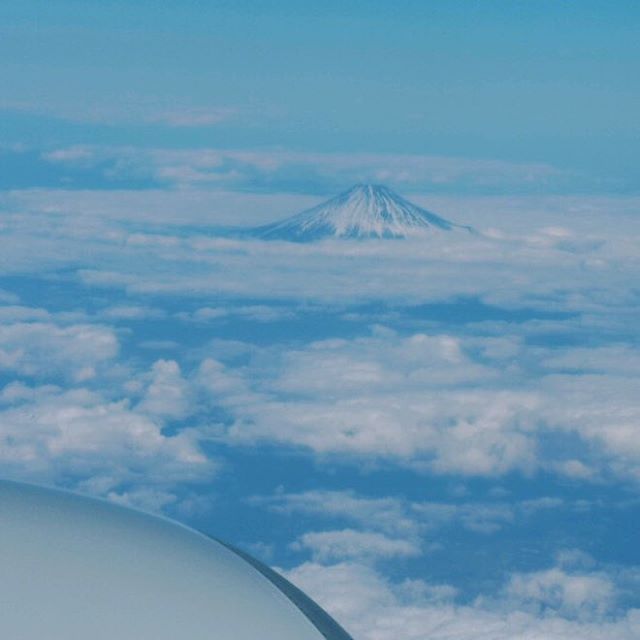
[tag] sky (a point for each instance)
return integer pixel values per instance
(430, 436)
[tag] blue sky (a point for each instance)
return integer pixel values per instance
(521, 81)
(427, 435)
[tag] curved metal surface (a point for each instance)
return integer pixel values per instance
(73, 567)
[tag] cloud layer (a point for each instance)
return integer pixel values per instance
(490, 379)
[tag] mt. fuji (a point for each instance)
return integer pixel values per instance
(364, 211)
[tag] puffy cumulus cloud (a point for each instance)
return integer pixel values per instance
(350, 543)
(486, 399)
(602, 410)
(371, 364)
(469, 433)
(228, 387)
(46, 350)
(573, 595)
(79, 439)
(475, 403)
(146, 499)
(573, 598)
(420, 399)
(166, 393)
(374, 608)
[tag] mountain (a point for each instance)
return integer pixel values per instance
(364, 211)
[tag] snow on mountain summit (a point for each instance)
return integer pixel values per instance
(364, 211)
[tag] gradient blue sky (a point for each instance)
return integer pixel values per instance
(540, 81)
(430, 436)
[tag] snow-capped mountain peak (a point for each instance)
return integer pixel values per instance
(364, 211)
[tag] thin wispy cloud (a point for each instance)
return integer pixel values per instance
(266, 170)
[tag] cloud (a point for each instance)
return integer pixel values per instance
(256, 312)
(575, 597)
(387, 514)
(409, 272)
(76, 154)
(415, 400)
(462, 404)
(167, 394)
(472, 439)
(193, 117)
(131, 312)
(508, 353)
(602, 410)
(107, 440)
(582, 596)
(282, 170)
(370, 529)
(350, 543)
(374, 608)
(536, 372)
(512, 269)
(145, 499)
(46, 350)
(79, 439)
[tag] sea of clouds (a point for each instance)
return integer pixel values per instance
(140, 352)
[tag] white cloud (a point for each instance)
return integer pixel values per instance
(155, 209)
(44, 349)
(131, 312)
(350, 543)
(373, 608)
(615, 360)
(76, 155)
(145, 499)
(467, 433)
(19, 313)
(78, 432)
(395, 519)
(416, 400)
(255, 168)
(467, 404)
(583, 596)
(167, 393)
(602, 410)
(477, 399)
(523, 265)
(480, 518)
(387, 514)
(481, 399)
(256, 312)
(193, 117)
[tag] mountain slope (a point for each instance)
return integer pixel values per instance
(364, 211)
